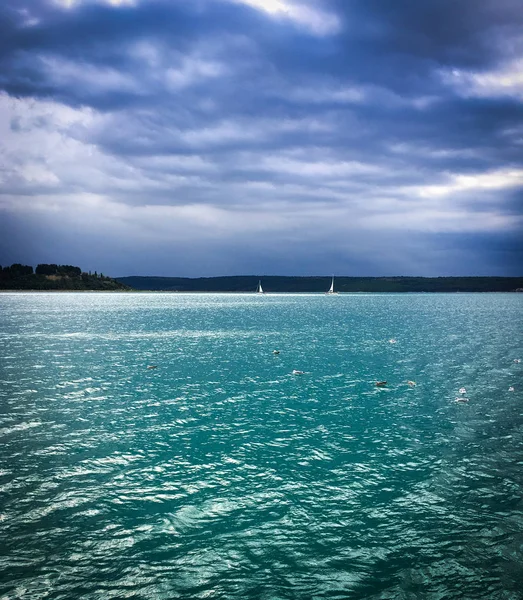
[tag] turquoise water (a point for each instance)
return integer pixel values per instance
(220, 474)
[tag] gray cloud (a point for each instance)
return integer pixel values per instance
(223, 137)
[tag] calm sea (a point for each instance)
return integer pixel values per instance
(220, 474)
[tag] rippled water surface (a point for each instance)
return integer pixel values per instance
(220, 474)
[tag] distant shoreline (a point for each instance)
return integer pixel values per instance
(285, 284)
(66, 278)
(245, 293)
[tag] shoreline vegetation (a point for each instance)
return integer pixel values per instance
(51, 277)
(281, 284)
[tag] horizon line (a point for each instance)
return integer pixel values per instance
(328, 276)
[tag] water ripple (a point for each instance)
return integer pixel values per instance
(220, 474)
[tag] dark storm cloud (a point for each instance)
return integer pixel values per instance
(459, 32)
(397, 45)
(244, 119)
(98, 35)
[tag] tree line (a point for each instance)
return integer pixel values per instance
(321, 284)
(18, 270)
(53, 276)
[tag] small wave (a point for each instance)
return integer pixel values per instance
(19, 427)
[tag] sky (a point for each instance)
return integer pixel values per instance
(283, 137)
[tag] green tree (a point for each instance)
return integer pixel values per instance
(46, 269)
(18, 270)
(69, 270)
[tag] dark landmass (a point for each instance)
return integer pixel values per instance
(68, 277)
(321, 284)
(55, 277)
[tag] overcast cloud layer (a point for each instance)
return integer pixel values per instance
(216, 137)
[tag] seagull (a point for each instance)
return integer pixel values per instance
(381, 383)
(296, 372)
(152, 366)
(411, 383)
(511, 388)
(275, 351)
(517, 360)
(461, 399)
(462, 390)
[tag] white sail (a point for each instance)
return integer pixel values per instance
(331, 289)
(260, 289)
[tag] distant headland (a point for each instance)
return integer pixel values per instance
(55, 277)
(321, 284)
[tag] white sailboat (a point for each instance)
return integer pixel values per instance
(331, 289)
(260, 289)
